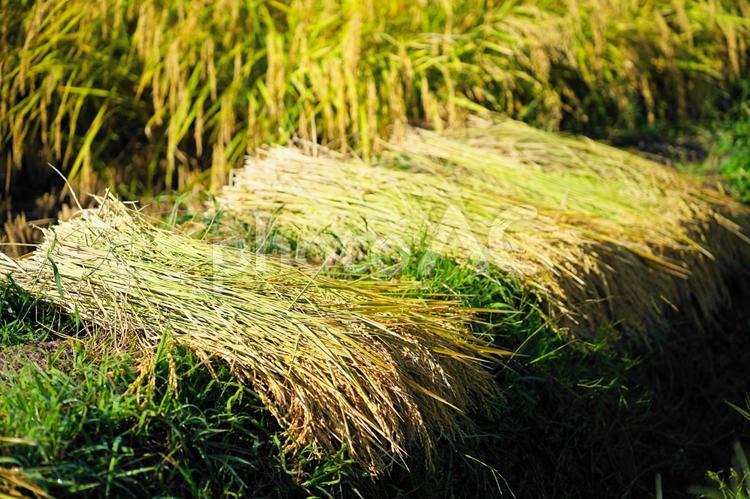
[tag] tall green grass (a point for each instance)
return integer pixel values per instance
(153, 92)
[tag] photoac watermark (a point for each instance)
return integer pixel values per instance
(353, 245)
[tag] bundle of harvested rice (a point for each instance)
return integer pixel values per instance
(602, 235)
(337, 362)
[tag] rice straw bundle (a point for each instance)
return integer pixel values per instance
(336, 362)
(601, 234)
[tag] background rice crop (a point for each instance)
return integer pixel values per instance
(338, 363)
(603, 235)
(149, 93)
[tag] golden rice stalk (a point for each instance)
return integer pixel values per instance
(337, 362)
(205, 80)
(15, 235)
(603, 235)
(14, 484)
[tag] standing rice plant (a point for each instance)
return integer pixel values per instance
(338, 363)
(603, 235)
(194, 85)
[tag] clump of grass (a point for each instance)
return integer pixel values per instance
(195, 84)
(81, 429)
(733, 485)
(735, 168)
(736, 483)
(603, 235)
(338, 363)
(23, 319)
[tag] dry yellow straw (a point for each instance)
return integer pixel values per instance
(15, 484)
(337, 362)
(603, 235)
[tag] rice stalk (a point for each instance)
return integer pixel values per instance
(337, 363)
(14, 485)
(603, 235)
(198, 84)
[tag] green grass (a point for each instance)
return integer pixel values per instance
(735, 168)
(82, 429)
(734, 483)
(716, 151)
(20, 322)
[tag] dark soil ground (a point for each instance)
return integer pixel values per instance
(38, 353)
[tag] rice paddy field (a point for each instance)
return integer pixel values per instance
(467, 248)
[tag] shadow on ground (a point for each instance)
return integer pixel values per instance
(606, 423)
